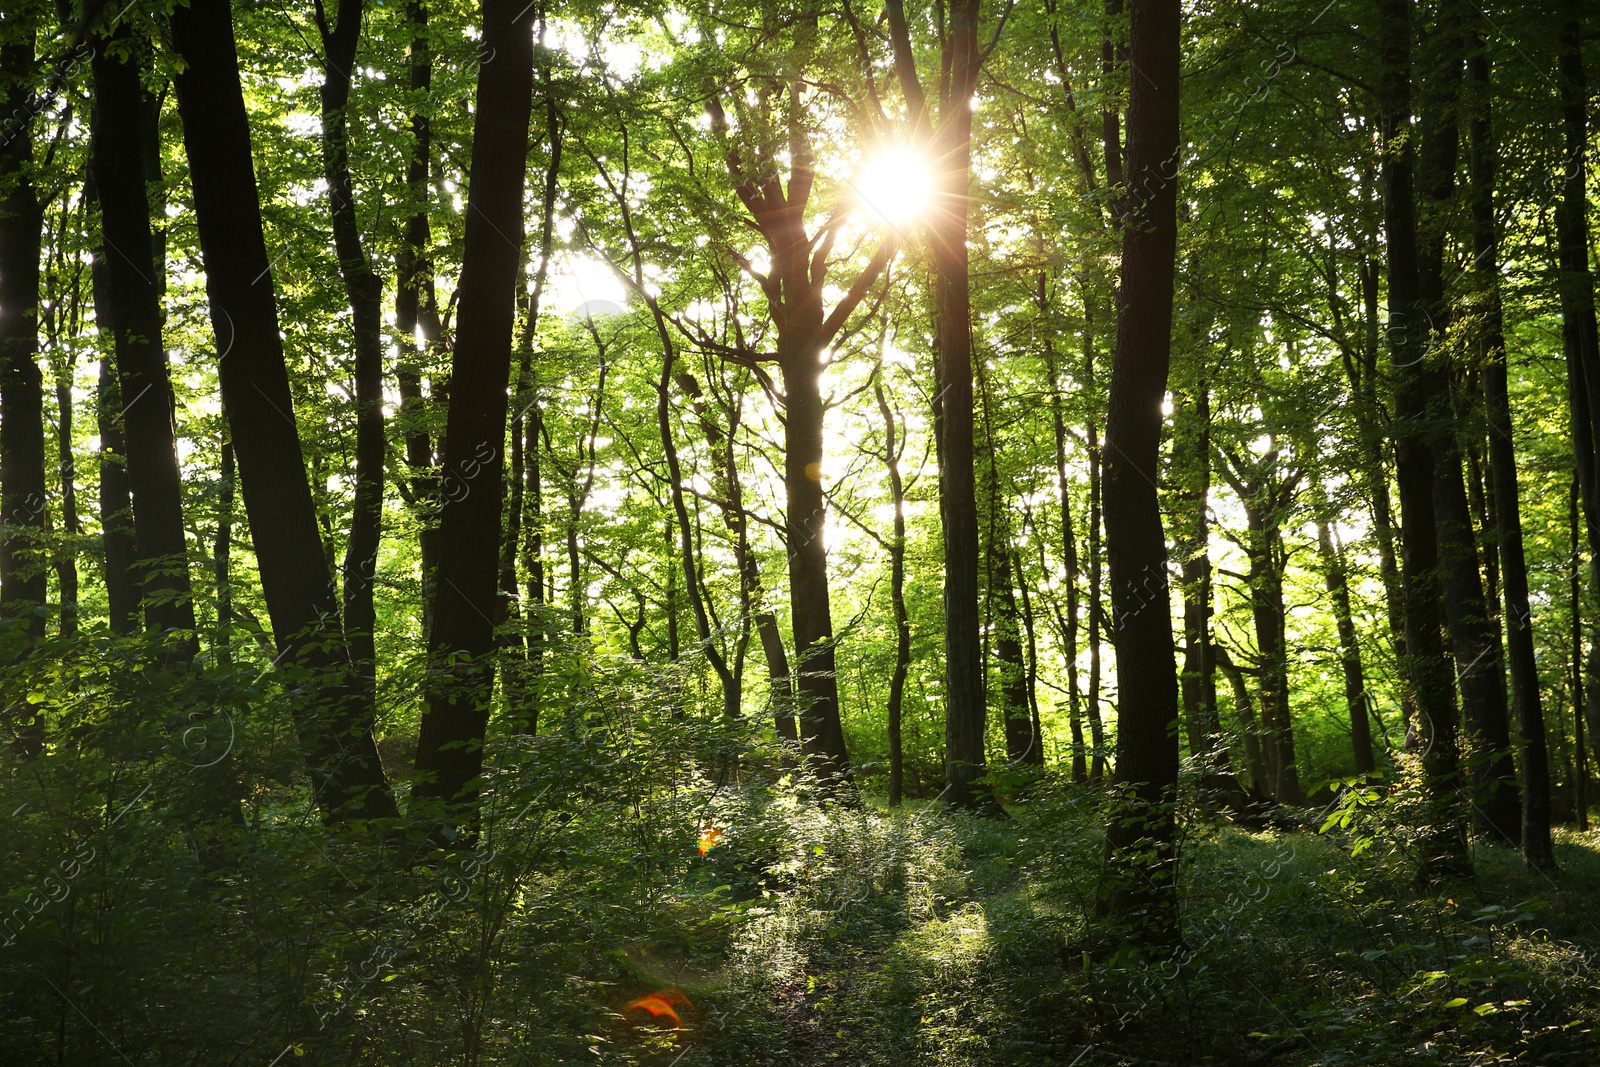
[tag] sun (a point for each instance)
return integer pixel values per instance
(895, 185)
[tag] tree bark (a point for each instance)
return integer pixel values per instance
(450, 746)
(335, 724)
(116, 504)
(1445, 844)
(135, 318)
(24, 584)
(1336, 578)
(1491, 351)
(892, 444)
(364, 292)
(1249, 728)
(1475, 643)
(1139, 885)
(1069, 548)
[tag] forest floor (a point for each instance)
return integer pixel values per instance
(922, 937)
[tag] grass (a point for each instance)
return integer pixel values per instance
(926, 937)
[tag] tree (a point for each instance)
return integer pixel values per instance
(335, 724)
(1139, 885)
(450, 748)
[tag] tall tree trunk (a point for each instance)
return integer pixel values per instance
(1199, 683)
(1139, 886)
(1491, 351)
(1473, 639)
(135, 319)
(222, 557)
(335, 723)
(1022, 744)
(1069, 549)
(1445, 846)
(1095, 608)
(450, 746)
(1580, 776)
(416, 313)
(24, 584)
(116, 504)
(950, 146)
(1249, 727)
(23, 562)
(892, 443)
(364, 292)
(1336, 579)
(1580, 339)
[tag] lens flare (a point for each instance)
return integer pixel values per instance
(662, 1004)
(710, 835)
(896, 185)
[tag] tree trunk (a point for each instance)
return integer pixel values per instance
(1069, 552)
(1575, 597)
(1580, 340)
(450, 746)
(116, 504)
(1336, 579)
(335, 724)
(1491, 351)
(1249, 728)
(364, 292)
(1199, 683)
(416, 313)
(897, 596)
(1473, 639)
(1022, 744)
(1139, 886)
(23, 560)
(135, 319)
(1445, 844)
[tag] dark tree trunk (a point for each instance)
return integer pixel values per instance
(1249, 728)
(951, 145)
(23, 560)
(1022, 744)
(1575, 598)
(892, 443)
(1335, 577)
(1199, 683)
(1473, 638)
(1095, 607)
(1445, 845)
(450, 746)
(335, 725)
(1580, 340)
(1491, 351)
(1139, 886)
(135, 319)
(416, 313)
(364, 291)
(116, 504)
(222, 557)
(1069, 551)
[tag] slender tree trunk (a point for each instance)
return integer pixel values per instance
(1022, 744)
(222, 556)
(417, 314)
(1445, 848)
(892, 444)
(1139, 886)
(1580, 776)
(66, 471)
(135, 318)
(335, 724)
(1491, 350)
(1095, 608)
(116, 504)
(1069, 553)
(450, 746)
(1249, 727)
(364, 292)
(1199, 682)
(1336, 579)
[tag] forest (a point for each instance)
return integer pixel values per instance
(678, 533)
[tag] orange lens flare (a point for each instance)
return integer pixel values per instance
(710, 834)
(662, 1004)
